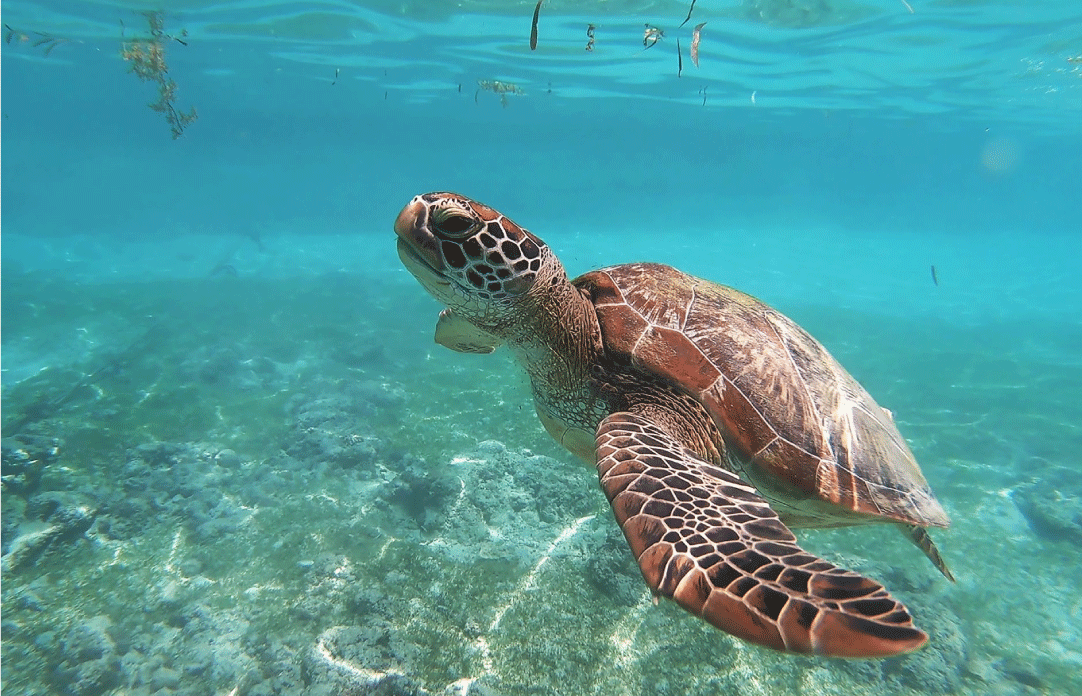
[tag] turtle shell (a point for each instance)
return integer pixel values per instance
(793, 421)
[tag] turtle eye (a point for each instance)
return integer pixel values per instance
(453, 225)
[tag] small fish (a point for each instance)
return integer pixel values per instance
(590, 35)
(223, 269)
(651, 35)
(48, 41)
(335, 80)
(935, 277)
(703, 92)
(696, 36)
(690, 10)
(533, 27)
(679, 59)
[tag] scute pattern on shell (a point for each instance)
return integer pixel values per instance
(786, 408)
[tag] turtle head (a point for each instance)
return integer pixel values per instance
(471, 258)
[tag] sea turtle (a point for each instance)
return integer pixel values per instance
(715, 423)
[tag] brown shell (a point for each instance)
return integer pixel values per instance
(801, 427)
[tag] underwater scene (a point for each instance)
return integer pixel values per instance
(237, 462)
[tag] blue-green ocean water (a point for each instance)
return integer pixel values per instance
(234, 461)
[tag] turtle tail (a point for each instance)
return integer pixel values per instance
(923, 540)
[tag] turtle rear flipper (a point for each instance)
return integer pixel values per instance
(707, 540)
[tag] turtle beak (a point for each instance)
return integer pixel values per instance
(414, 237)
(417, 246)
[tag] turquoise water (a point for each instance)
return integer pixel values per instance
(235, 462)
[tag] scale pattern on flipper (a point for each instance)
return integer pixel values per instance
(707, 540)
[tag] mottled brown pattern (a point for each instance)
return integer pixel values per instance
(705, 539)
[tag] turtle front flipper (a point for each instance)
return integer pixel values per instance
(458, 334)
(707, 540)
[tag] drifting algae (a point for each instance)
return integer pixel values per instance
(146, 59)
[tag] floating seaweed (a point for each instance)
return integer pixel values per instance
(500, 88)
(533, 27)
(146, 58)
(690, 10)
(696, 37)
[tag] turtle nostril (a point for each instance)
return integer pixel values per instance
(409, 219)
